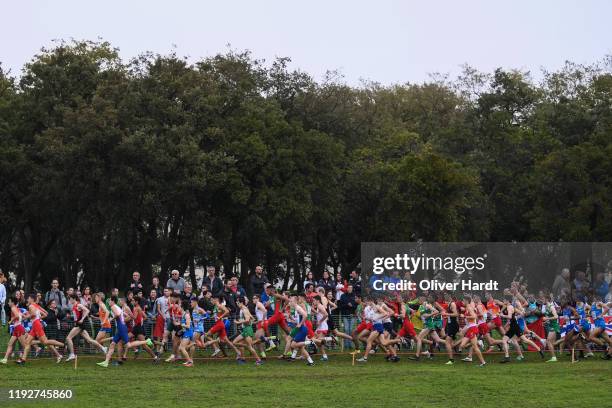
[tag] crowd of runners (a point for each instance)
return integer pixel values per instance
(300, 325)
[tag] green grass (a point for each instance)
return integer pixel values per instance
(337, 383)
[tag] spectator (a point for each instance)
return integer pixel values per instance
(20, 298)
(326, 282)
(203, 291)
(600, 285)
(309, 279)
(2, 298)
(135, 284)
(332, 307)
(188, 292)
(54, 315)
(86, 297)
(230, 298)
(355, 280)
(149, 306)
(347, 306)
(237, 288)
(67, 309)
(609, 295)
(79, 296)
(206, 297)
(309, 292)
(56, 294)
(561, 286)
(339, 289)
(581, 286)
(143, 300)
(156, 286)
(257, 281)
(176, 283)
(114, 293)
(215, 285)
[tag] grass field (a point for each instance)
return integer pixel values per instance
(337, 383)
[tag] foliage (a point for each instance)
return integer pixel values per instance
(109, 166)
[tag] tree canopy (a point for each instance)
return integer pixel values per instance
(157, 163)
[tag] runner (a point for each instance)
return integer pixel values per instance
(36, 313)
(300, 332)
(471, 335)
(330, 306)
(79, 314)
(16, 329)
(261, 326)
(322, 328)
(220, 313)
(493, 309)
(514, 314)
(185, 334)
(584, 326)
(275, 305)
(173, 325)
(483, 328)
(598, 331)
(198, 315)
(121, 335)
(364, 326)
(138, 331)
(452, 326)
(379, 314)
(162, 318)
(104, 334)
(432, 325)
(245, 338)
(551, 326)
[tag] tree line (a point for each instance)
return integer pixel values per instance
(158, 163)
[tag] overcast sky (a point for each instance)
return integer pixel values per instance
(385, 41)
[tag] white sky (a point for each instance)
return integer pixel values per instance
(381, 40)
